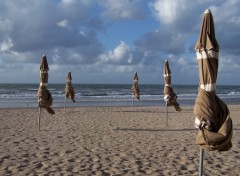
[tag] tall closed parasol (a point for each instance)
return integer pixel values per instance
(212, 114)
(169, 95)
(134, 88)
(44, 96)
(69, 91)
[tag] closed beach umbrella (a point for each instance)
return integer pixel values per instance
(69, 91)
(135, 89)
(44, 96)
(212, 114)
(169, 95)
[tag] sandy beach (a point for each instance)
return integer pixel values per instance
(109, 141)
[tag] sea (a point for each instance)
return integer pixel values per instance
(25, 95)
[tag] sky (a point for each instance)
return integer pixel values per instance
(107, 41)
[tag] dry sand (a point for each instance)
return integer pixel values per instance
(109, 141)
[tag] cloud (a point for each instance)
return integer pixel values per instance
(96, 38)
(6, 44)
(124, 9)
(166, 11)
(226, 24)
(5, 25)
(120, 55)
(63, 24)
(162, 41)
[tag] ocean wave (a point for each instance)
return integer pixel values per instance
(109, 93)
(234, 93)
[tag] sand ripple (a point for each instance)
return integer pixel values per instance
(109, 141)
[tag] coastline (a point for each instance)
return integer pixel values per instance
(109, 141)
(25, 95)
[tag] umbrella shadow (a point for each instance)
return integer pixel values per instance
(146, 111)
(154, 130)
(160, 111)
(42, 129)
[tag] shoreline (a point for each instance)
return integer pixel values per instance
(72, 105)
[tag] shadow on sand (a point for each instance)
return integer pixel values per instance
(153, 130)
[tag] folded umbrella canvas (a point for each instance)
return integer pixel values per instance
(45, 99)
(212, 114)
(134, 88)
(169, 95)
(69, 91)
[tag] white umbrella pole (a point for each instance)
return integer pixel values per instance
(166, 114)
(201, 162)
(39, 116)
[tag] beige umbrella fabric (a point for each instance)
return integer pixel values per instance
(134, 88)
(212, 114)
(44, 96)
(169, 95)
(69, 91)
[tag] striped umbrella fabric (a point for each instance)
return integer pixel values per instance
(134, 88)
(69, 91)
(169, 95)
(212, 114)
(44, 96)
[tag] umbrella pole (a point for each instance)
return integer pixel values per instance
(65, 104)
(132, 102)
(166, 114)
(39, 115)
(201, 162)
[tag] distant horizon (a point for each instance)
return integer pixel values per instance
(126, 84)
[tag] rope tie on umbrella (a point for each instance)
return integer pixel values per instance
(204, 124)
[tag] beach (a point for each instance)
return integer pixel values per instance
(109, 141)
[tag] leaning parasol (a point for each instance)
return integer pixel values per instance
(69, 91)
(212, 114)
(169, 95)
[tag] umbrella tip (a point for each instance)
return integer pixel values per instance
(207, 11)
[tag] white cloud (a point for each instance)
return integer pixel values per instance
(63, 24)
(166, 11)
(120, 55)
(6, 44)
